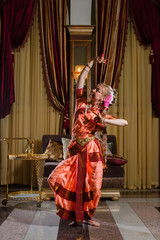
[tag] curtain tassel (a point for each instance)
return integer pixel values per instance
(151, 57)
(66, 117)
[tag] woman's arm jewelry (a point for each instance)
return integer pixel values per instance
(87, 68)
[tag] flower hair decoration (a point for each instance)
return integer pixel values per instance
(110, 99)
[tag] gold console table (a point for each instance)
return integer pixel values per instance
(39, 160)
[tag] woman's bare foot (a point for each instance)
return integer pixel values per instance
(92, 223)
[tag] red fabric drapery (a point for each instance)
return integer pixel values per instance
(52, 19)
(145, 14)
(16, 21)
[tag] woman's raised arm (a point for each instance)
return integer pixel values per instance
(86, 69)
(84, 73)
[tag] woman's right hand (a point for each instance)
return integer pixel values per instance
(100, 59)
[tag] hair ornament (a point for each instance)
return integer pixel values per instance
(110, 99)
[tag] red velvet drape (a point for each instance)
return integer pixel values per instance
(16, 21)
(145, 14)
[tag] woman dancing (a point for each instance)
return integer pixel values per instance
(77, 180)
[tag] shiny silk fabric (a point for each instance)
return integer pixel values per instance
(77, 180)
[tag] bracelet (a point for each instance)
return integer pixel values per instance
(87, 70)
(88, 66)
(103, 121)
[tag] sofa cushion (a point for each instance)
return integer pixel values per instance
(65, 142)
(116, 160)
(56, 138)
(54, 150)
(109, 151)
(110, 146)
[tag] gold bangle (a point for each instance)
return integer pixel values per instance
(87, 70)
(103, 121)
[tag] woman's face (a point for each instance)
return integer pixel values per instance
(96, 94)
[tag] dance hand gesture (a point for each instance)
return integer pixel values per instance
(101, 59)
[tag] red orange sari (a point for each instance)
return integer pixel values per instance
(77, 180)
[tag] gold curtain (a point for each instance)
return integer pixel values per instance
(52, 15)
(111, 30)
(31, 114)
(139, 141)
